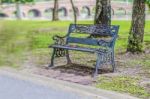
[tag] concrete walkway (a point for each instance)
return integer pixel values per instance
(17, 85)
(12, 88)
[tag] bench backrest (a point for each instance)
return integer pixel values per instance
(99, 30)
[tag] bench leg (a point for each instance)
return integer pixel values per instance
(96, 67)
(96, 70)
(68, 57)
(52, 58)
(113, 62)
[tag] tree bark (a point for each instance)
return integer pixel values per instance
(74, 11)
(136, 34)
(18, 11)
(55, 11)
(103, 12)
(0, 4)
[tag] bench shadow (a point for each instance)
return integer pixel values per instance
(79, 69)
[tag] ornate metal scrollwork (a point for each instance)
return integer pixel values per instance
(59, 40)
(59, 52)
(104, 55)
(98, 29)
(103, 43)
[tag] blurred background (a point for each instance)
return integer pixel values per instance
(85, 9)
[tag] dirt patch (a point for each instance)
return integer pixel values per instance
(75, 73)
(126, 65)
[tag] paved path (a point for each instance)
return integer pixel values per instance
(18, 85)
(11, 88)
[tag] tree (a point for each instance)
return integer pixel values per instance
(18, 6)
(0, 4)
(103, 12)
(136, 34)
(55, 11)
(74, 11)
(18, 10)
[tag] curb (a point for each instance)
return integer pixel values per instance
(72, 87)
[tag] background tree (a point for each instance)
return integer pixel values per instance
(103, 12)
(136, 34)
(55, 11)
(18, 6)
(0, 4)
(74, 11)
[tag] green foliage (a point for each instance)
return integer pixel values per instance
(148, 3)
(14, 1)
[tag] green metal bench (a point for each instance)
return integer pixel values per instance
(104, 52)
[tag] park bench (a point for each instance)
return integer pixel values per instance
(104, 47)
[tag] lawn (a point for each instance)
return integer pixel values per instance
(40, 32)
(21, 36)
(21, 41)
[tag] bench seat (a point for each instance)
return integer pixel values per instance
(77, 48)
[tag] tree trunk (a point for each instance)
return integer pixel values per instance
(74, 11)
(103, 12)
(0, 4)
(136, 34)
(18, 11)
(55, 11)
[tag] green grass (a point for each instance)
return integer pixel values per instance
(21, 36)
(40, 32)
(18, 37)
(123, 84)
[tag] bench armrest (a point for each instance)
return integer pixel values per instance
(104, 50)
(103, 43)
(107, 43)
(60, 40)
